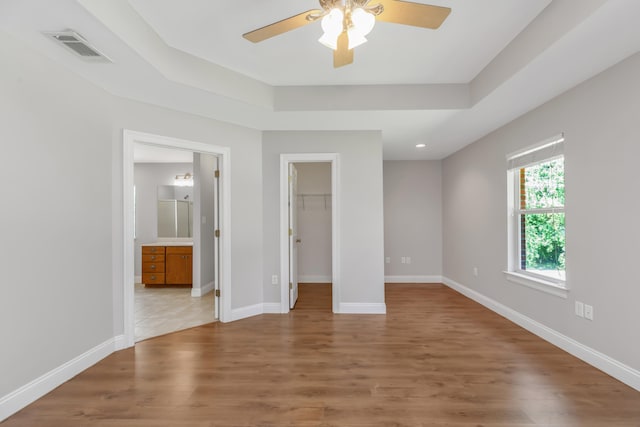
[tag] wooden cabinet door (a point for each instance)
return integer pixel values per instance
(179, 270)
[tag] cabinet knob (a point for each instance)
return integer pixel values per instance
(153, 267)
(153, 277)
(153, 257)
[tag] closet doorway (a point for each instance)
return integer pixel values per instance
(312, 234)
(309, 245)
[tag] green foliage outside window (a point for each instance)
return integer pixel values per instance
(545, 232)
(545, 241)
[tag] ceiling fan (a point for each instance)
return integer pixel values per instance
(346, 22)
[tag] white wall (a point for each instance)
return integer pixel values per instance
(361, 222)
(55, 221)
(60, 132)
(600, 122)
(314, 222)
(246, 189)
(147, 178)
(413, 220)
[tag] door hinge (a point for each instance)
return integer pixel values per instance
(290, 178)
(217, 233)
(216, 174)
(290, 232)
(217, 292)
(290, 285)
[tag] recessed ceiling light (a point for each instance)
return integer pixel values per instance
(421, 145)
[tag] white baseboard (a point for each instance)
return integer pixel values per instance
(412, 279)
(248, 311)
(271, 307)
(314, 279)
(616, 369)
(29, 393)
(363, 308)
(202, 291)
(120, 343)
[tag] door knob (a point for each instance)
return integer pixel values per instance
(298, 241)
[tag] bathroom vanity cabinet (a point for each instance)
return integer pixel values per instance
(167, 265)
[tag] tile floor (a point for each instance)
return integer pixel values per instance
(160, 311)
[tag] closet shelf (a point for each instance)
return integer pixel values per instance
(325, 196)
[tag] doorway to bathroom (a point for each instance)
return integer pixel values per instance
(176, 254)
(175, 214)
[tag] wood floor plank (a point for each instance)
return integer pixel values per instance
(436, 359)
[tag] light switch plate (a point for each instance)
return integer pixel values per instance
(579, 309)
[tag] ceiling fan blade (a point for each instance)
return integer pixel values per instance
(342, 55)
(415, 14)
(280, 27)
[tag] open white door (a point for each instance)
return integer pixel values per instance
(293, 235)
(216, 246)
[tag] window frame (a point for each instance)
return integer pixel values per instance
(514, 272)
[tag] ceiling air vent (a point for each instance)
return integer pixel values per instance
(78, 45)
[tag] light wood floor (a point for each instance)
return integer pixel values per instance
(436, 359)
(159, 311)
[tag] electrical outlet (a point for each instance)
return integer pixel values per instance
(387, 260)
(403, 260)
(475, 271)
(579, 309)
(588, 311)
(408, 259)
(274, 279)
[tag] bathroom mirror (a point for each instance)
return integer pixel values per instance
(175, 211)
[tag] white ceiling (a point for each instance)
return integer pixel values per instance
(490, 62)
(395, 54)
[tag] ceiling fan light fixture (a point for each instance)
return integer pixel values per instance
(332, 24)
(362, 20)
(358, 24)
(329, 40)
(356, 38)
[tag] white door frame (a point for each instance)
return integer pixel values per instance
(129, 138)
(285, 160)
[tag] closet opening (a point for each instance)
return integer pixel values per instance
(310, 220)
(310, 244)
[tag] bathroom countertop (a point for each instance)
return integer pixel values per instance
(169, 243)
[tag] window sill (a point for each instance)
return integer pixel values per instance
(538, 284)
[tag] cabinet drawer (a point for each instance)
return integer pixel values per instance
(153, 278)
(153, 267)
(187, 250)
(153, 258)
(153, 250)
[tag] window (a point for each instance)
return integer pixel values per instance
(537, 220)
